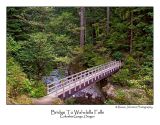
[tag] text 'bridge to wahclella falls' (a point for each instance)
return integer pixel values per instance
(69, 85)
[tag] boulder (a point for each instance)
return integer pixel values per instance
(109, 90)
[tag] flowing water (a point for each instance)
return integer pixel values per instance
(93, 91)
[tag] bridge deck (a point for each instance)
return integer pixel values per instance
(76, 82)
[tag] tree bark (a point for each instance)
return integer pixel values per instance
(108, 19)
(131, 31)
(82, 27)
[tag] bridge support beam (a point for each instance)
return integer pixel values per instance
(63, 94)
(81, 80)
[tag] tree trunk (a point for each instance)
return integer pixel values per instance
(108, 19)
(131, 31)
(82, 21)
(85, 35)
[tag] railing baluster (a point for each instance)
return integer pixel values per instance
(81, 76)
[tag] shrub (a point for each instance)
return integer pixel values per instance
(132, 65)
(110, 102)
(121, 77)
(117, 55)
(12, 46)
(92, 59)
(149, 93)
(17, 82)
(70, 101)
(23, 99)
(120, 97)
(134, 83)
(38, 91)
(142, 82)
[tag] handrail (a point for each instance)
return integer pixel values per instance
(76, 74)
(75, 77)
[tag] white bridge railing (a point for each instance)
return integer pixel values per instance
(83, 76)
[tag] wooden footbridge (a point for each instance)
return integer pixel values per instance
(69, 85)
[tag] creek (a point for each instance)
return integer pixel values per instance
(91, 92)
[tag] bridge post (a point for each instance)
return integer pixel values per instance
(75, 86)
(63, 90)
(56, 90)
(80, 83)
(69, 89)
(95, 73)
(63, 94)
(80, 80)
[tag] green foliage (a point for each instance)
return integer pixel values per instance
(148, 80)
(14, 25)
(146, 71)
(12, 46)
(142, 82)
(120, 97)
(135, 83)
(61, 44)
(58, 23)
(70, 101)
(117, 55)
(88, 56)
(39, 90)
(16, 79)
(149, 93)
(18, 84)
(36, 56)
(65, 60)
(130, 60)
(21, 99)
(102, 50)
(132, 96)
(121, 77)
(42, 38)
(132, 65)
(110, 102)
(92, 58)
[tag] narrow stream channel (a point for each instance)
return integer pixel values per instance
(93, 90)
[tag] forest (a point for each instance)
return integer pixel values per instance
(45, 40)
